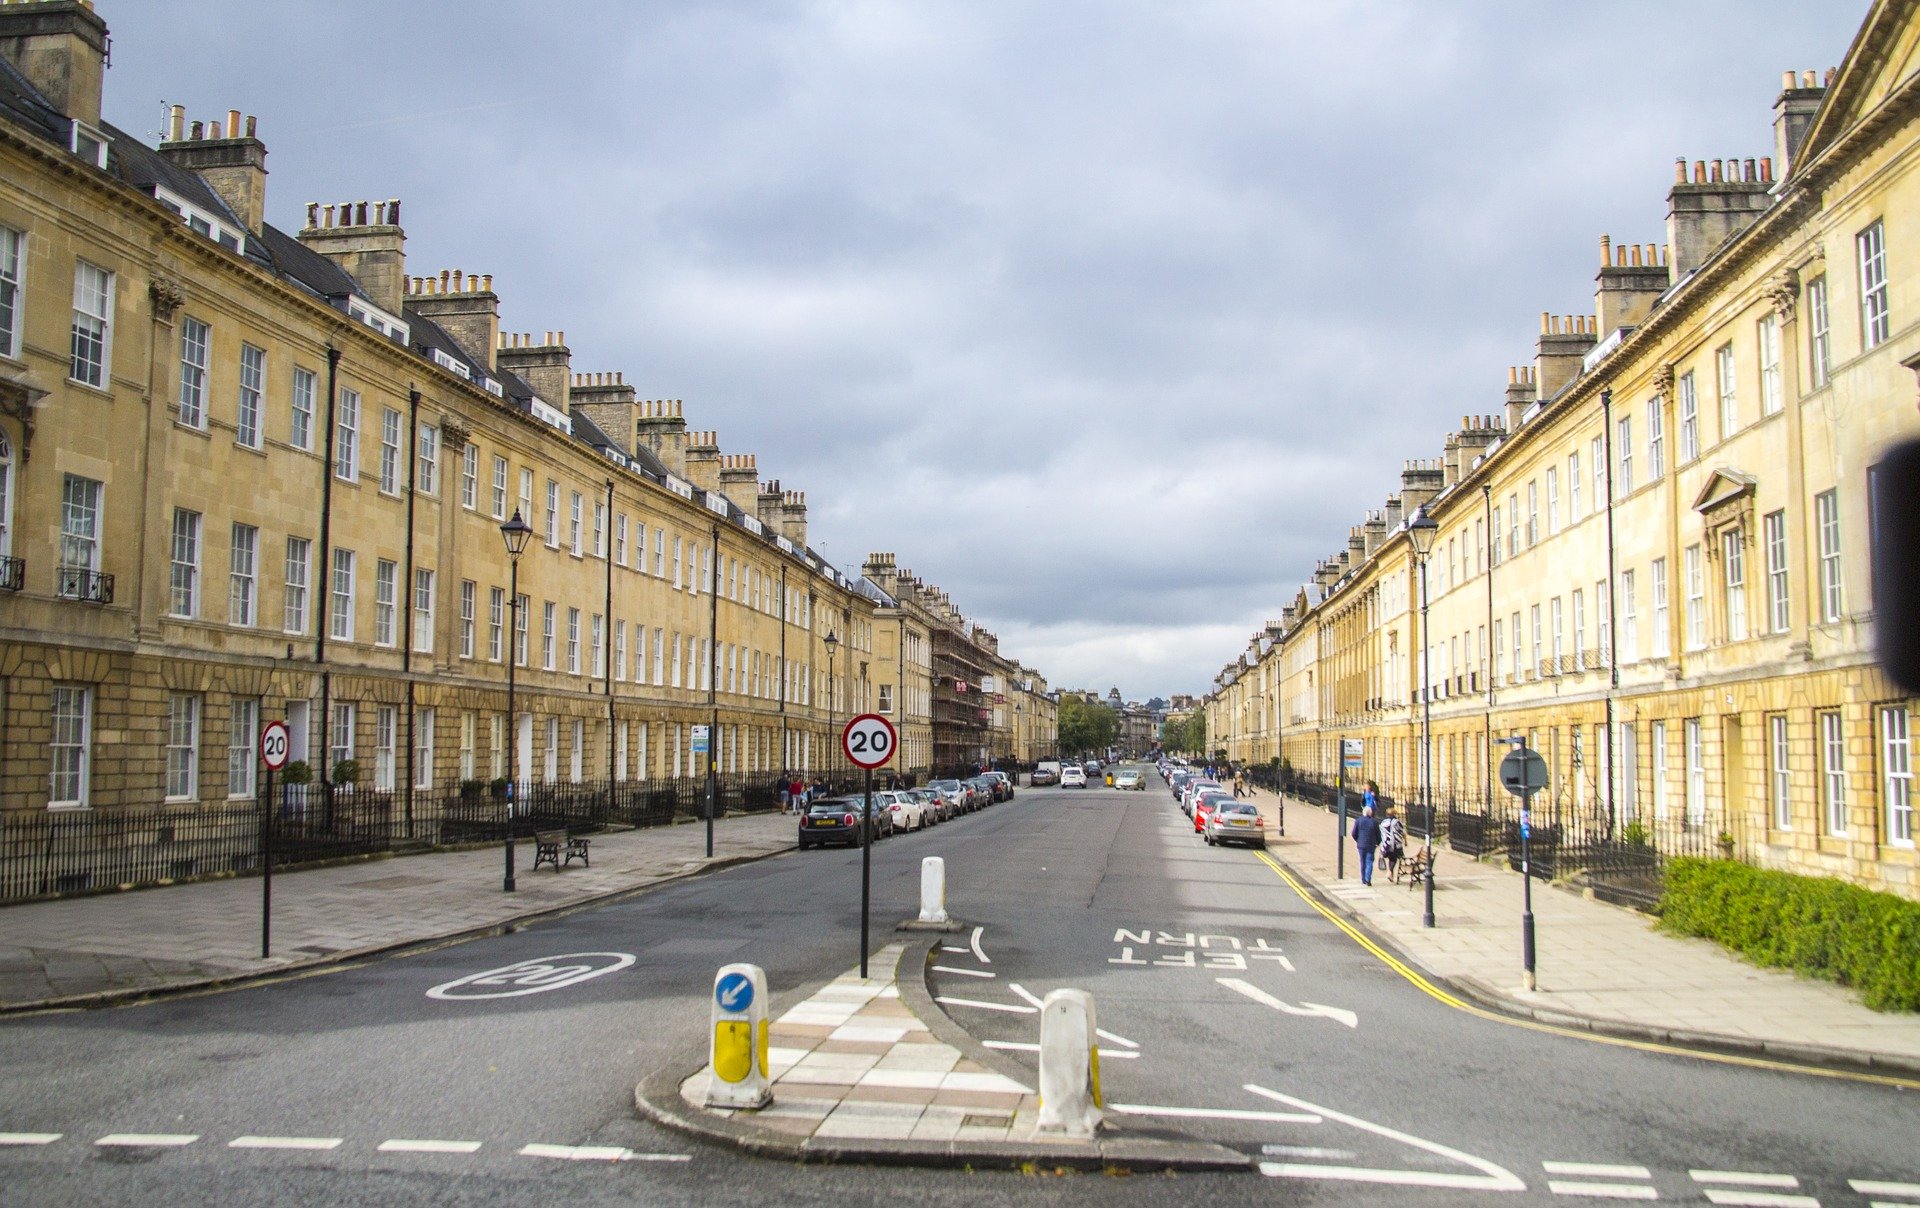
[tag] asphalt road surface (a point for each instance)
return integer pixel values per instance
(359, 1086)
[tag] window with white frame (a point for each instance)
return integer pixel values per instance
(195, 339)
(341, 622)
(1896, 762)
(300, 415)
(183, 747)
(553, 514)
(678, 580)
(299, 573)
(1733, 564)
(597, 646)
(390, 451)
(1553, 500)
(599, 529)
(92, 347)
(1499, 546)
(12, 246)
(1833, 772)
(496, 623)
(526, 495)
(1578, 603)
(1767, 335)
(1534, 647)
(243, 723)
(1533, 513)
(497, 745)
(243, 558)
(1689, 418)
(346, 437)
(340, 733)
(659, 658)
(620, 539)
(183, 594)
(620, 650)
(552, 768)
(1874, 322)
(1696, 600)
(522, 619)
(386, 592)
(466, 746)
(1657, 769)
(573, 524)
(423, 610)
(253, 385)
(1826, 517)
(1623, 434)
(6, 495)
(468, 602)
(577, 751)
(427, 457)
(1662, 630)
(1559, 631)
(470, 476)
(573, 641)
(1629, 619)
(1573, 487)
(1774, 532)
(386, 737)
(1696, 770)
(659, 554)
(1725, 377)
(70, 744)
(1819, 334)
(1780, 770)
(1656, 439)
(547, 618)
(676, 659)
(497, 488)
(423, 749)
(1597, 462)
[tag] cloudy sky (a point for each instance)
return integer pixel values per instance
(1107, 316)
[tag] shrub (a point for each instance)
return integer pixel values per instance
(297, 772)
(1816, 925)
(346, 772)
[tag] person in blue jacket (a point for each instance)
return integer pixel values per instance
(1366, 837)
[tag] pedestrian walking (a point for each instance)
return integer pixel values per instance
(1239, 784)
(1371, 798)
(1366, 838)
(1393, 843)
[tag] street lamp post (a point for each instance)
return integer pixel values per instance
(832, 644)
(516, 533)
(1421, 531)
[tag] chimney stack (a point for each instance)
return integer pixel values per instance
(1563, 344)
(1793, 112)
(1718, 201)
(663, 430)
(61, 47)
(607, 400)
(766, 505)
(1632, 277)
(1420, 481)
(740, 480)
(793, 517)
(365, 239)
(1522, 393)
(703, 460)
(231, 159)
(465, 307)
(545, 365)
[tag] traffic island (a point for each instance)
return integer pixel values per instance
(858, 1075)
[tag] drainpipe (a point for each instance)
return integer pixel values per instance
(1486, 758)
(606, 641)
(407, 601)
(1613, 644)
(322, 577)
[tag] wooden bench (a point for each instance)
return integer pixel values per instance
(1415, 869)
(556, 847)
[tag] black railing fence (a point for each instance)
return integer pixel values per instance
(54, 852)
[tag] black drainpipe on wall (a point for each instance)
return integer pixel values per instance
(321, 581)
(406, 594)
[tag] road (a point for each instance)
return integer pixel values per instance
(333, 1081)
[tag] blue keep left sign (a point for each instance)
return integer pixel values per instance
(734, 992)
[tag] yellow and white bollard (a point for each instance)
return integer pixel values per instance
(933, 891)
(739, 1054)
(1069, 1066)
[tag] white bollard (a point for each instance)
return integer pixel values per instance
(1069, 1066)
(933, 891)
(738, 1056)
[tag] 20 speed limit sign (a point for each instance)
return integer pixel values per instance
(869, 740)
(274, 745)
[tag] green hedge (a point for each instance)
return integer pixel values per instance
(1816, 925)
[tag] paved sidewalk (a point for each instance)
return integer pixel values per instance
(869, 1069)
(1599, 966)
(87, 950)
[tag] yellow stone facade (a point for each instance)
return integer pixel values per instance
(1654, 560)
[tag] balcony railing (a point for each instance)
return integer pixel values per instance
(79, 583)
(13, 574)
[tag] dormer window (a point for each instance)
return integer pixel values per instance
(88, 143)
(496, 389)
(452, 365)
(199, 221)
(377, 319)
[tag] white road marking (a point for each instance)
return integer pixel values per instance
(1601, 1170)
(964, 972)
(1120, 1040)
(984, 1006)
(1604, 1191)
(155, 1139)
(1337, 1014)
(28, 1138)
(399, 1145)
(977, 949)
(1021, 1046)
(535, 976)
(951, 948)
(284, 1143)
(1213, 1113)
(1491, 1178)
(1759, 1199)
(1305, 1151)
(1025, 993)
(599, 1153)
(1868, 1187)
(1744, 1178)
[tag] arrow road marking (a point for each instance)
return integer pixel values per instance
(977, 950)
(1337, 1014)
(1492, 1178)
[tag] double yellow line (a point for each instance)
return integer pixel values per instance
(1645, 1046)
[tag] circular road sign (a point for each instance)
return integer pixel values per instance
(274, 745)
(869, 740)
(1523, 773)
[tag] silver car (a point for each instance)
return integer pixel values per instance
(1129, 778)
(1232, 821)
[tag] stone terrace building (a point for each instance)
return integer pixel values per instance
(1653, 560)
(247, 473)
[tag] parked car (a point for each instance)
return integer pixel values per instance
(1047, 771)
(985, 791)
(958, 799)
(909, 814)
(1178, 781)
(832, 820)
(1072, 778)
(934, 804)
(1204, 806)
(1129, 778)
(1236, 822)
(1194, 787)
(1004, 781)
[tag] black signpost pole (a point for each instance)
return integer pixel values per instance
(266, 870)
(1340, 837)
(1526, 874)
(866, 872)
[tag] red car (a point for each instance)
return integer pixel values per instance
(1203, 805)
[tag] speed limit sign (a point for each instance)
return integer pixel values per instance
(274, 744)
(869, 740)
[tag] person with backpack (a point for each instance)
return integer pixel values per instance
(1393, 844)
(1366, 838)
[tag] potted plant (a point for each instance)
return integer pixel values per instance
(345, 773)
(298, 772)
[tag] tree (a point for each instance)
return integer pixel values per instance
(1086, 725)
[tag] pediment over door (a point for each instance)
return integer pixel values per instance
(1725, 502)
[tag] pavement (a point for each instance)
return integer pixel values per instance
(89, 951)
(1600, 967)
